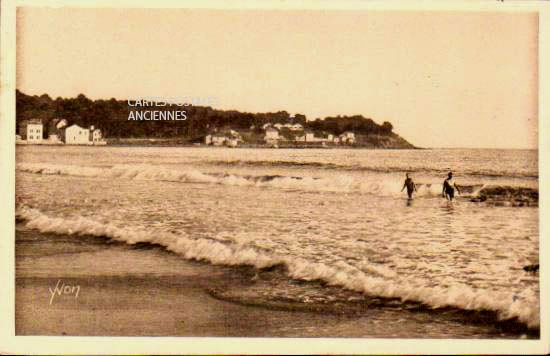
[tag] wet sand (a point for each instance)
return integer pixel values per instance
(123, 291)
(127, 306)
(114, 289)
(135, 291)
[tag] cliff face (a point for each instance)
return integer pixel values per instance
(392, 141)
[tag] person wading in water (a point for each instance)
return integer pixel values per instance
(411, 187)
(449, 187)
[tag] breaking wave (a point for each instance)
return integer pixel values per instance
(340, 183)
(378, 169)
(372, 282)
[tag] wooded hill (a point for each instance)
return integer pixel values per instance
(111, 116)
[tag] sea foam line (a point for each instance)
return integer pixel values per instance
(340, 183)
(524, 307)
(379, 169)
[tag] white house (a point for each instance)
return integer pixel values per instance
(342, 138)
(95, 136)
(34, 131)
(310, 137)
(330, 137)
(297, 127)
(350, 135)
(76, 135)
(225, 136)
(347, 137)
(278, 126)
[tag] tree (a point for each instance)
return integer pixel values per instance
(111, 116)
(387, 127)
(300, 119)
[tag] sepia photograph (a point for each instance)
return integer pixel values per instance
(276, 173)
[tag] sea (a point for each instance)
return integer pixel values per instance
(320, 232)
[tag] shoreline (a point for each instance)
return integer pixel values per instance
(245, 146)
(144, 290)
(163, 296)
(175, 142)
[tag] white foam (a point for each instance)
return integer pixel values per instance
(339, 183)
(382, 283)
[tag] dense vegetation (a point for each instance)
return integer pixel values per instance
(111, 116)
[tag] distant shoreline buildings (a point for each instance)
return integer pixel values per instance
(275, 134)
(31, 132)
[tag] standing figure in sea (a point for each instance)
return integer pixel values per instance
(411, 187)
(449, 187)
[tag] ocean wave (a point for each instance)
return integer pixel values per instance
(375, 282)
(382, 169)
(340, 183)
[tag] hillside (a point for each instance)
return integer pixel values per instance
(392, 141)
(112, 117)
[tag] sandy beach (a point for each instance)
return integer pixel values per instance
(143, 290)
(140, 296)
(126, 299)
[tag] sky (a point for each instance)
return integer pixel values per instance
(443, 79)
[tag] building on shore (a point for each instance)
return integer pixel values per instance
(347, 137)
(35, 131)
(31, 132)
(286, 134)
(296, 133)
(76, 135)
(225, 137)
(95, 136)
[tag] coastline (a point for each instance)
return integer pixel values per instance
(144, 290)
(177, 142)
(125, 299)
